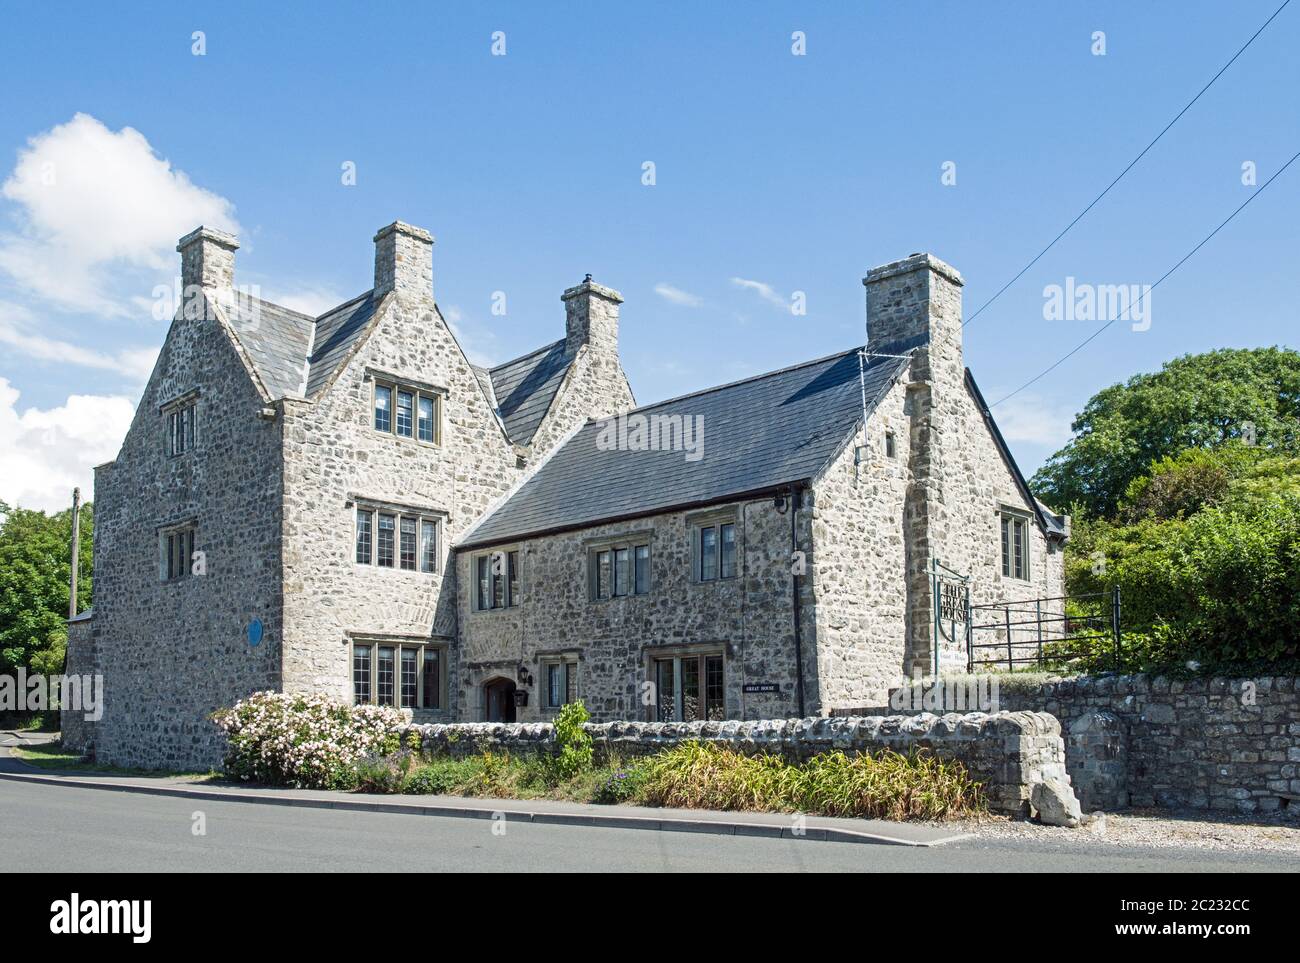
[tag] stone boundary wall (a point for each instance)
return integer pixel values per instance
(1019, 756)
(1217, 743)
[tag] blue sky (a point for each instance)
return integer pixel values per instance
(795, 172)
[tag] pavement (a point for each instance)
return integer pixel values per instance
(97, 822)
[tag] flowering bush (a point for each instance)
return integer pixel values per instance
(309, 742)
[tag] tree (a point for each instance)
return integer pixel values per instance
(35, 565)
(1196, 401)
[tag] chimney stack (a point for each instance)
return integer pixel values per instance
(915, 302)
(404, 261)
(591, 317)
(208, 260)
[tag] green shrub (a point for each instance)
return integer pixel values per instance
(623, 784)
(442, 777)
(884, 786)
(386, 774)
(574, 749)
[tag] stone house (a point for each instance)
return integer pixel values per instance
(346, 505)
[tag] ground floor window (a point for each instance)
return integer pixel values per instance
(561, 677)
(690, 688)
(402, 675)
(1015, 545)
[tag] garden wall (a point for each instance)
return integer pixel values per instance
(1199, 743)
(1019, 756)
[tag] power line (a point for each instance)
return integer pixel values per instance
(1263, 187)
(1130, 166)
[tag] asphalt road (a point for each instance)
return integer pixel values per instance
(85, 830)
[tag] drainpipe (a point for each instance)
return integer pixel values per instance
(794, 585)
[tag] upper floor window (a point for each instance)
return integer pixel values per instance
(496, 580)
(715, 551)
(1015, 545)
(407, 412)
(617, 570)
(177, 552)
(396, 539)
(181, 423)
(891, 446)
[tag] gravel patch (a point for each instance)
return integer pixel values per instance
(1191, 829)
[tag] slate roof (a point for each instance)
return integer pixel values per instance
(277, 341)
(336, 332)
(525, 387)
(768, 431)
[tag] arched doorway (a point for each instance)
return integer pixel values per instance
(499, 700)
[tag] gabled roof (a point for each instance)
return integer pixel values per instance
(759, 434)
(296, 355)
(525, 387)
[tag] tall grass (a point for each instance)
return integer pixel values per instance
(887, 785)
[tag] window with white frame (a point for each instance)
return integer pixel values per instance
(1015, 544)
(690, 686)
(182, 422)
(560, 676)
(620, 569)
(407, 412)
(497, 580)
(176, 548)
(404, 675)
(715, 551)
(400, 539)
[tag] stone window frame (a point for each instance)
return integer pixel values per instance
(692, 650)
(513, 590)
(715, 519)
(396, 383)
(569, 659)
(1010, 515)
(422, 646)
(181, 413)
(611, 544)
(358, 504)
(185, 533)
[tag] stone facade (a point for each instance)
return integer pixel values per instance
(274, 481)
(1012, 754)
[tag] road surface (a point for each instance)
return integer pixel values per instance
(62, 828)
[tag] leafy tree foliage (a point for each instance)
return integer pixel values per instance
(1196, 401)
(35, 565)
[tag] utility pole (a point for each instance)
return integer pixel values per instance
(76, 551)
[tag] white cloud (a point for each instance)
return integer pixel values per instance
(676, 295)
(312, 300)
(16, 333)
(1031, 420)
(47, 453)
(764, 291)
(92, 203)
(479, 344)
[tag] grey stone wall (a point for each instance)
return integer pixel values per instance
(749, 617)
(1010, 753)
(174, 651)
(1228, 744)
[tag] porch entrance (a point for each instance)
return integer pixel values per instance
(499, 700)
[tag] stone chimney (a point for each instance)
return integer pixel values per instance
(915, 303)
(208, 260)
(404, 261)
(591, 318)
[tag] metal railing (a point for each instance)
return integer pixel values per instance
(1045, 632)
